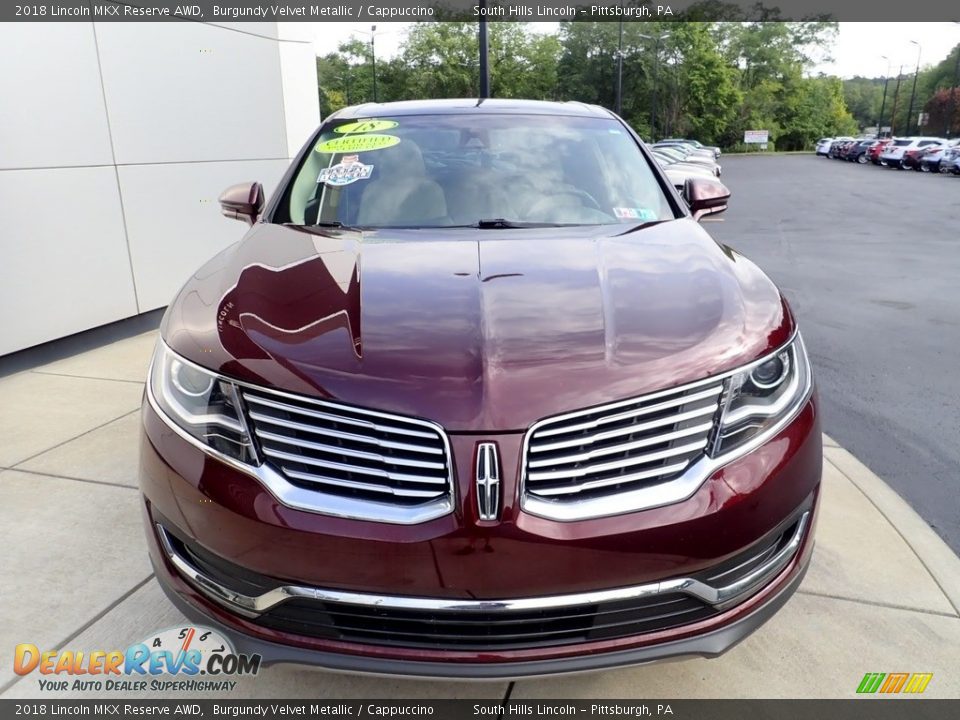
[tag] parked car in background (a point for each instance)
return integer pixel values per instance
(688, 148)
(950, 162)
(873, 153)
(836, 145)
(695, 143)
(552, 425)
(857, 152)
(678, 171)
(913, 157)
(930, 162)
(685, 153)
(894, 153)
(823, 146)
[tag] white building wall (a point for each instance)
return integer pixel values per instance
(115, 141)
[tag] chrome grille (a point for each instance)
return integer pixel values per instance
(350, 452)
(620, 448)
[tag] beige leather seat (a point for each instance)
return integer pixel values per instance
(401, 194)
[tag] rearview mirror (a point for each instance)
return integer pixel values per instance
(243, 201)
(705, 196)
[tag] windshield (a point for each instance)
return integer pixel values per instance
(459, 170)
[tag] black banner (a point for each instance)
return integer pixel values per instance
(873, 708)
(383, 11)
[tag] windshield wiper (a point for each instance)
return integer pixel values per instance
(502, 224)
(324, 225)
(641, 226)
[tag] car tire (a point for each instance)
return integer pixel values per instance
(924, 168)
(884, 163)
(862, 159)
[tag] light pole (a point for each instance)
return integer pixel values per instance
(883, 104)
(953, 91)
(656, 70)
(618, 106)
(896, 97)
(484, 54)
(373, 55)
(913, 93)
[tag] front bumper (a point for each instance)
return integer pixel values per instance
(711, 643)
(454, 559)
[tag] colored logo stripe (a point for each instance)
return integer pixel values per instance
(870, 682)
(918, 682)
(893, 683)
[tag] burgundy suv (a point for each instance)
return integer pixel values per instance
(477, 396)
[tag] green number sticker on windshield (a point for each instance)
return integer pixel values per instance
(365, 126)
(357, 143)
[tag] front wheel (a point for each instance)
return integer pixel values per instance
(862, 160)
(924, 168)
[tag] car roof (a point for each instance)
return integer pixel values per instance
(465, 106)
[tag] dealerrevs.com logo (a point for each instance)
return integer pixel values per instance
(187, 652)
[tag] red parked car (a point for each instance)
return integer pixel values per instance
(477, 396)
(873, 154)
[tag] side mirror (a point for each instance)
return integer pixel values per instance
(705, 196)
(243, 201)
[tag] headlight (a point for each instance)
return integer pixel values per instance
(201, 403)
(763, 394)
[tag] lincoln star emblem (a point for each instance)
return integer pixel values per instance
(488, 481)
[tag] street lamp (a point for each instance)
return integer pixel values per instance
(618, 106)
(373, 55)
(883, 104)
(953, 91)
(656, 69)
(913, 93)
(896, 98)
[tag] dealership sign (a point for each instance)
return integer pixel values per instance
(756, 136)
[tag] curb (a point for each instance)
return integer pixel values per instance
(936, 556)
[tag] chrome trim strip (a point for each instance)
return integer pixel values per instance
(667, 493)
(252, 605)
(358, 469)
(624, 447)
(316, 501)
(357, 485)
(644, 410)
(360, 454)
(616, 480)
(630, 429)
(369, 439)
(617, 464)
(342, 419)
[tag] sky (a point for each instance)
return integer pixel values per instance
(857, 49)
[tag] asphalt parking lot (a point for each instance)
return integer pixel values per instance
(869, 258)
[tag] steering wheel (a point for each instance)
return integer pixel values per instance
(586, 199)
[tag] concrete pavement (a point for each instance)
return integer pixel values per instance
(882, 594)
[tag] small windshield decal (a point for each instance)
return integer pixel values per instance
(347, 171)
(357, 143)
(634, 213)
(365, 126)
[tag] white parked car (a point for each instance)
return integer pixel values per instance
(823, 146)
(892, 156)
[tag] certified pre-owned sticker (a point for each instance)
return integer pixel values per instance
(347, 171)
(357, 143)
(365, 126)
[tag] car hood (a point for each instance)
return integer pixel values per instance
(479, 330)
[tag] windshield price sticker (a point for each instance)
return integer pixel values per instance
(365, 126)
(357, 143)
